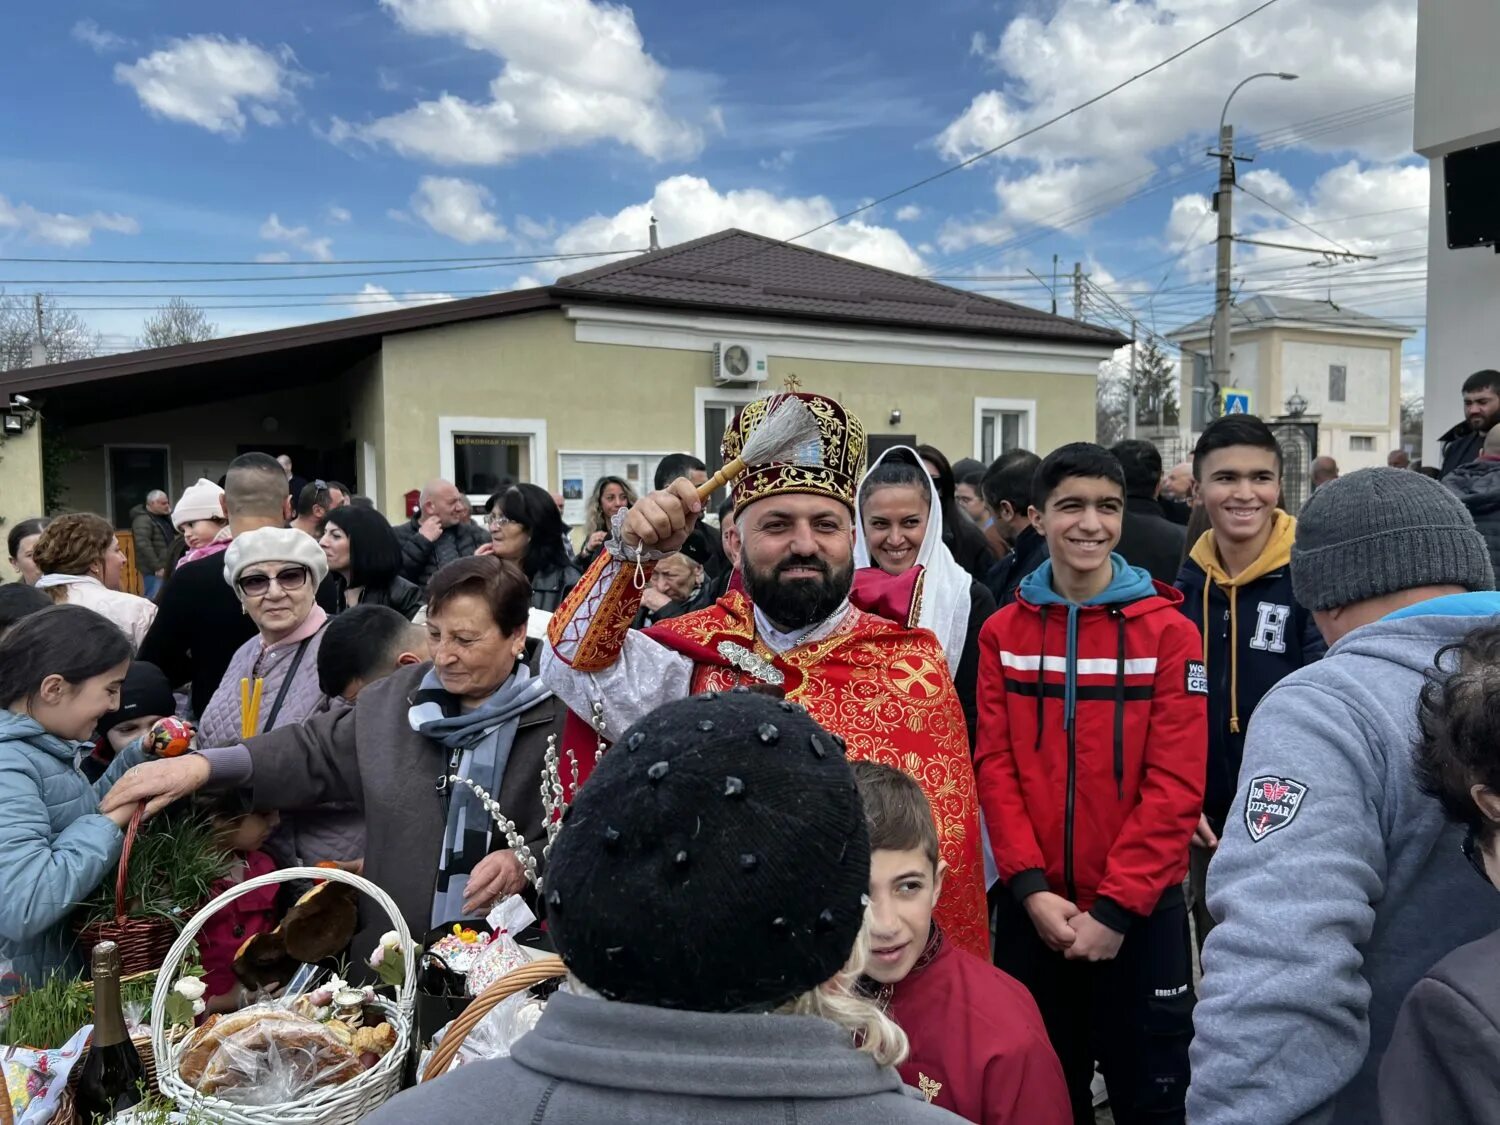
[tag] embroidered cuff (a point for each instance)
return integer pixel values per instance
(1026, 883)
(1113, 915)
(618, 548)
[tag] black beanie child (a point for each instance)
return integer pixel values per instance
(144, 692)
(717, 860)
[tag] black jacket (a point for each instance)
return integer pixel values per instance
(1460, 445)
(1027, 553)
(199, 625)
(967, 544)
(1177, 511)
(402, 596)
(1149, 540)
(1260, 666)
(421, 559)
(966, 680)
(1443, 1062)
(552, 585)
(1477, 484)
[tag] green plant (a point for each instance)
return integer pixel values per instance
(176, 861)
(57, 454)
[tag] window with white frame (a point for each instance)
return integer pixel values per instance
(479, 454)
(1338, 382)
(1001, 425)
(1361, 443)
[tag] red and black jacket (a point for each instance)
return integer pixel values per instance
(1091, 763)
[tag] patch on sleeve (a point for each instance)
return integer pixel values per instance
(1197, 678)
(1271, 805)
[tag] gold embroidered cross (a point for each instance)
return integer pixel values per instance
(792, 384)
(929, 1087)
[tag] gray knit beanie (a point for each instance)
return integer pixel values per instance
(1380, 531)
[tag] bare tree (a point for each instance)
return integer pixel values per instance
(1111, 397)
(63, 334)
(176, 322)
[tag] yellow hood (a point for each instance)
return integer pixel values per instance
(1277, 554)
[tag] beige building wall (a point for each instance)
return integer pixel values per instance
(20, 481)
(599, 397)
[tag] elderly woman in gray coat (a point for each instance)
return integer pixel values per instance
(477, 711)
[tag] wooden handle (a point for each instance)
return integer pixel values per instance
(724, 476)
(508, 985)
(132, 830)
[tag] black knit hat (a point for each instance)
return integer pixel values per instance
(717, 860)
(144, 692)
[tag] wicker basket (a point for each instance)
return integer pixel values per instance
(508, 985)
(326, 1105)
(143, 942)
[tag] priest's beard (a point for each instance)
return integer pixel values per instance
(796, 603)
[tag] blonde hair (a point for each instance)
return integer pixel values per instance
(595, 516)
(72, 544)
(838, 1001)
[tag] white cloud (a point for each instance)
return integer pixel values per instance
(337, 214)
(689, 207)
(102, 42)
(1350, 53)
(60, 229)
(458, 208)
(319, 249)
(377, 298)
(909, 214)
(780, 162)
(575, 72)
(213, 82)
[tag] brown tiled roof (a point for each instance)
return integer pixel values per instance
(738, 272)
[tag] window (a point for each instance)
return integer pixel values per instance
(1001, 425)
(133, 471)
(1202, 414)
(476, 454)
(1361, 443)
(715, 409)
(1338, 378)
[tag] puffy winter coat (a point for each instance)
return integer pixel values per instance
(1093, 735)
(55, 847)
(1477, 484)
(422, 558)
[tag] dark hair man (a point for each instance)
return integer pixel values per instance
(1007, 493)
(1461, 444)
(1147, 538)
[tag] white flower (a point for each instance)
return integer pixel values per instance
(378, 957)
(336, 984)
(390, 940)
(191, 988)
(199, 1007)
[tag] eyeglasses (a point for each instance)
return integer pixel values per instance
(1474, 855)
(259, 585)
(496, 522)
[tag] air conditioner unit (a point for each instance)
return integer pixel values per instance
(736, 362)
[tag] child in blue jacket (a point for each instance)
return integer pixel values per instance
(60, 671)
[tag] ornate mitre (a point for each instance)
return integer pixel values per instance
(843, 464)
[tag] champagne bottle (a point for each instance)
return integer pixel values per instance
(113, 1078)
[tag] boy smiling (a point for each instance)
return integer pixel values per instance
(978, 1045)
(1092, 736)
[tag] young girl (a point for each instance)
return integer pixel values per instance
(60, 671)
(242, 833)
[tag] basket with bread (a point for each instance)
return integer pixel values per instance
(301, 1063)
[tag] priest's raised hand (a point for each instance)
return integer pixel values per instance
(662, 520)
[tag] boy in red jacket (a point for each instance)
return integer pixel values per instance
(978, 1044)
(1090, 763)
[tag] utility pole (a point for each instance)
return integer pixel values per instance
(1054, 284)
(1134, 375)
(1224, 205)
(39, 345)
(1077, 290)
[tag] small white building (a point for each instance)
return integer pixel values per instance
(1345, 366)
(1458, 107)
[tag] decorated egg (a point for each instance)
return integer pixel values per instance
(170, 737)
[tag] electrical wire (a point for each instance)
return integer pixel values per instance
(499, 259)
(1292, 218)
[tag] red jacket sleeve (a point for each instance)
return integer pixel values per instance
(1012, 835)
(1026, 1088)
(1150, 852)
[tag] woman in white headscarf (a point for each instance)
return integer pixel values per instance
(898, 526)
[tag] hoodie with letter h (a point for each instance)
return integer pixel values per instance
(1092, 735)
(1253, 633)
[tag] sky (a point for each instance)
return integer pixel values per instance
(298, 141)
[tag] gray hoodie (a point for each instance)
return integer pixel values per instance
(597, 1062)
(1338, 883)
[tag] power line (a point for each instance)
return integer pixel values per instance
(503, 259)
(1293, 218)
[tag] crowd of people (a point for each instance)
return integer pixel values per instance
(997, 784)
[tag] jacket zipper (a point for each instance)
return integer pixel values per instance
(1068, 881)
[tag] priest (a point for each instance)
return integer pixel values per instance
(884, 690)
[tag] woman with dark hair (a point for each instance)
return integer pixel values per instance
(609, 496)
(22, 541)
(478, 710)
(60, 672)
(527, 529)
(364, 564)
(1443, 1062)
(961, 535)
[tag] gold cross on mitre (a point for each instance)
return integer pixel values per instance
(791, 384)
(929, 1087)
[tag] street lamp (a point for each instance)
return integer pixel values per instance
(1224, 205)
(1296, 405)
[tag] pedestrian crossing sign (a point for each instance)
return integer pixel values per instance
(1235, 401)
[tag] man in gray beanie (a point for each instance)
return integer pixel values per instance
(1338, 883)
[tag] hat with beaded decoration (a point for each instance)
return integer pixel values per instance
(839, 468)
(717, 860)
